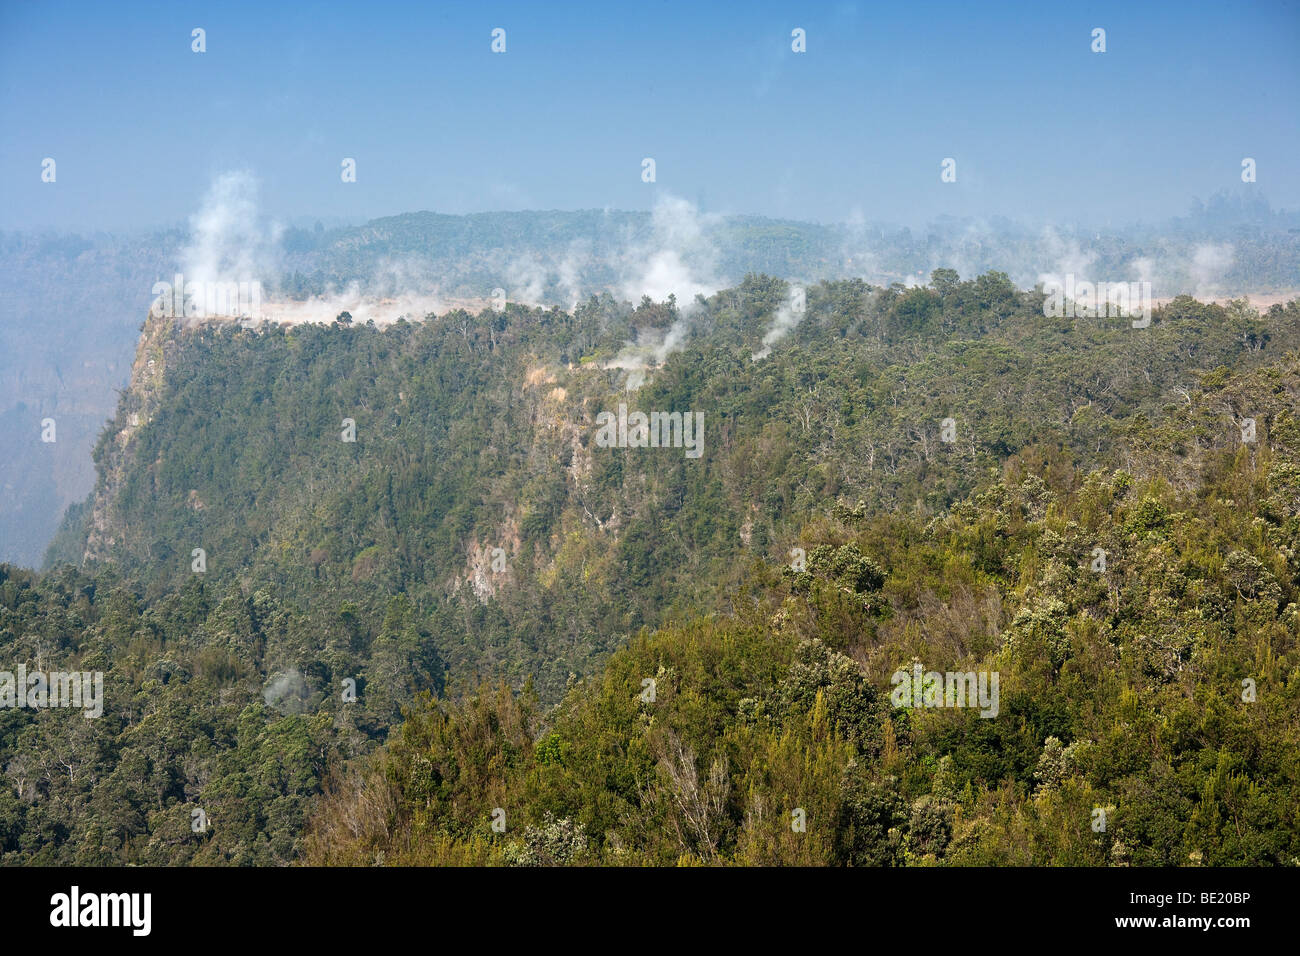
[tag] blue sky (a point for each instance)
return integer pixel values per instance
(1042, 128)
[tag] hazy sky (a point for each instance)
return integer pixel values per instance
(1041, 127)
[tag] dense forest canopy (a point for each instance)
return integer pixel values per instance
(395, 637)
(69, 361)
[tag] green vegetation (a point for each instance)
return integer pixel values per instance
(185, 727)
(1120, 690)
(372, 562)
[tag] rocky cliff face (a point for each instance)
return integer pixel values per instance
(137, 405)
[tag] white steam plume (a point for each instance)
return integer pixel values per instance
(1209, 262)
(678, 260)
(787, 318)
(229, 240)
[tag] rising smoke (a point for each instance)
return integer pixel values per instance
(677, 253)
(229, 240)
(678, 260)
(787, 318)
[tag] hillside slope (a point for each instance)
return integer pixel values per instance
(1145, 712)
(343, 579)
(477, 488)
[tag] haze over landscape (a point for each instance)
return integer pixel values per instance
(644, 426)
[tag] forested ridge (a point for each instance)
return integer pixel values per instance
(71, 368)
(512, 679)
